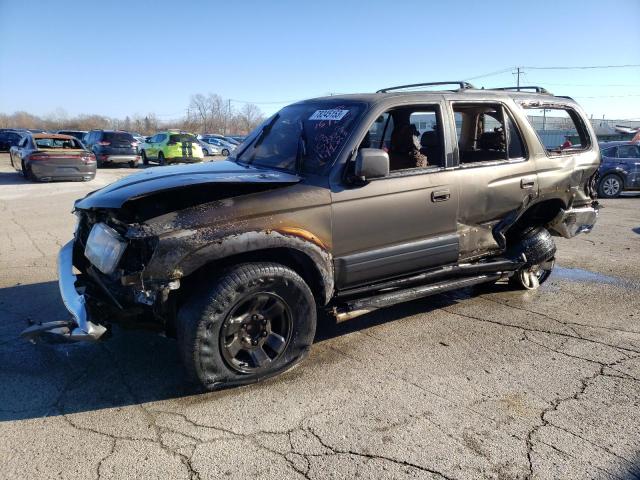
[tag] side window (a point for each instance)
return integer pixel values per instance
(412, 136)
(516, 145)
(162, 137)
(609, 152)
(561, 130)
(23, 142)
(627, 151)
(482, 134)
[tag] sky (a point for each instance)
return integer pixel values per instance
(119, 58)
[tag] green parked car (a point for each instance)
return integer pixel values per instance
(172, 146)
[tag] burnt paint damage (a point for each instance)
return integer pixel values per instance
(164, 179)
(249, 218)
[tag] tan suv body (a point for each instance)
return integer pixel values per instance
(347, 203)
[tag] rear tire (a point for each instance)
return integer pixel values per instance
(28, 173)
(610, 186)
(254, 321)
(145, 160)
(161, 160)
(133, 164)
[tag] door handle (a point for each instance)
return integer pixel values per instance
(527, 182)
(440, 195)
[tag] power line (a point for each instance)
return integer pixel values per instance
(490, 74)
(590, 67)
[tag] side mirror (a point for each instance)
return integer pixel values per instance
(371, 163)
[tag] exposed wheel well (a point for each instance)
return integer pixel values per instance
(538, 215)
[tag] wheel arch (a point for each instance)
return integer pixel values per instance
(313, 263)
(618, 172)
(538, 214)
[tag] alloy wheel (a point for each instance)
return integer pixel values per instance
(256, 332)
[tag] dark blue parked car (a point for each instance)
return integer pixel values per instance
(620, 168)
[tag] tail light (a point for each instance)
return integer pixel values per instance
(104, 143)
(38, 156)
(91, 158)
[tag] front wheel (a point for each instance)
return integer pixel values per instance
(161, 160)
(145, 160)
(225, 152)
(133, 164)
(256, 320)
(610, 186)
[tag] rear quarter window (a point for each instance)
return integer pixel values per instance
(561, 129)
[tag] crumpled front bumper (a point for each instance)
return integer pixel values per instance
(79, 327)
(571, 222)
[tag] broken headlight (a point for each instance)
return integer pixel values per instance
(104, 248)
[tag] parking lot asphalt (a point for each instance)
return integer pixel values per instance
(474, 384)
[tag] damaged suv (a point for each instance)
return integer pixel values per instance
(343, 204)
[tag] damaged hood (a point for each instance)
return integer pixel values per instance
(158, 179)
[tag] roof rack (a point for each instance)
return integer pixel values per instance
(520, 89)
(461, 86)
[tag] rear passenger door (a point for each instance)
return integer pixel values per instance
(494, 171)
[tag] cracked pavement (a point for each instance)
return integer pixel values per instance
(485, 383)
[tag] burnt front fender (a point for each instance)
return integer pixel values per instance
(186, 252)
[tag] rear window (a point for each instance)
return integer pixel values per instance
(561, 130)
(71, 143)
(9, 136)
(118, 137)
(181, 137)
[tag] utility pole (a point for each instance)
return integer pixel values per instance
(518, 71)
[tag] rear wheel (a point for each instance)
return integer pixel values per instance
(132, 164)
(610, 186)
(161, 160)
(536, 246)
(256, 320)
(530, 278)
(145, 160)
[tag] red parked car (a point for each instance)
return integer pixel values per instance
(51, 156)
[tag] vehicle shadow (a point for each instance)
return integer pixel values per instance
(13, 178)
(130, 368)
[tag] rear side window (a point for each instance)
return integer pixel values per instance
(486, 133)
(609, 152)
(627, 151)
(561, 130)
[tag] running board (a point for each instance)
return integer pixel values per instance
(361, 306)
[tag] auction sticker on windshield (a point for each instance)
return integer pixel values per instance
(328, 114)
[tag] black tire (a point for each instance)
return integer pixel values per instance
(205, 152)
(133, 164)
(145, 160)
(28, 173)
(610, 186)
(225, 152)
(161, 160)
(539, 249)
(215, 322)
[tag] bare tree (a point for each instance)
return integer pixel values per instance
(249, 117)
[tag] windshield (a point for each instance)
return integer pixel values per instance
(311, 133)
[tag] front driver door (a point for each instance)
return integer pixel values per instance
(399, 224)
